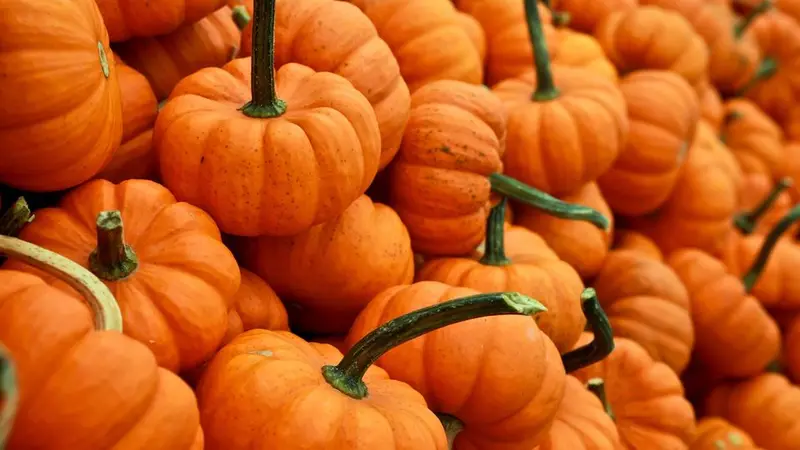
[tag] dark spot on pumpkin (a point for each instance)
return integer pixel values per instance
(446, 149)
(202, 158)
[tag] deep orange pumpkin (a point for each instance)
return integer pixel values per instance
(755, 140)
(255, 305)
(714, 433)
(126, 19)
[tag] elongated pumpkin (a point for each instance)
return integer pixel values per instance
(172, 276)
(755, 140)
(126, 19)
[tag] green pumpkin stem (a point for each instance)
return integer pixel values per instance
(265, 102)
(113, 259)
(494, 253)
(521, 192)
(9, 394)
(545, 86)
(107, 315)
(347, 376)
(742, 25)
(598, 387)
(13, 220)
(603, 343)
(240, 16)
(452, 426)
(746, 222)
(751, 277)
(765, 71)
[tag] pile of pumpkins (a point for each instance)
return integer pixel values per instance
(400, 224)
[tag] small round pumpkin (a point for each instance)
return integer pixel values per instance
(127, 19)
(255, 305)
(575, 49)
(585, 15)
(755, 140)
(714, 433)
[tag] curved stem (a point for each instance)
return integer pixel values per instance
(9, 394)
(603, 343)
(265, 102)
(751, 277)
(741, 26)
(347, 375)
(494, 253)
(521, 192)
(240, 16)
(452, 426)
(113, 259)
(598, 387)
(12, 221)
(746, 221)
(767, 68)
(107, 316)
(545, 86)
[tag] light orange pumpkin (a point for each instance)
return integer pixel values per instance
(575, 49)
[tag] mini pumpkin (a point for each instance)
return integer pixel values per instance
(714, 433)
(575, 49)
(127, 19)
(585, 15)
(255, 305)
(755, 140)
(632, 240)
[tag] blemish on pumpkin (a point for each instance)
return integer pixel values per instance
(446, 149)
(103, 59)
(266, 353)
(202, 158)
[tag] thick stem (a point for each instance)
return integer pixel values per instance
(741, 26)
(107, 316)
(767, 68)
(598, 387)
(545, 86)
(452, 426)
(347, 375)
(521, 192)
(265, 102)
(9, 394)
(603, 343)
(12, 221)
(240, 16)
(113, 259)
(494, 253)
(746, 222)
(751, 277)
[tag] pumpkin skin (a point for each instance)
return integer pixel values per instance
(165, 60)
(646, 397)
(663, 112)
(726, 320)
(438, 185)
(759, 406)
(757, 187)
(135, 158)
(632, 240)
(711, 109)
(473, 28)
(255, 305)
(576, 49)
(649, 37)
(176, 301)
(328, 273)
(646, 302)
(52, 136)
(755, 140)
(580, 244)
(278, 187)
(714, 433)
(585, 15)
(127, 19)
(493, 411)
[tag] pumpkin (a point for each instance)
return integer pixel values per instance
(171, 274)
(663, 112)
(755, 140)
(273, 380)
(711, 109)
(763, 204)
(649, 37)
(566, 125)
(291, 150)
(61, 118)
(474, 31)
(633, 240)
(705, 136)
(127, 19)
(165, 60)
(576, 49)
(533, 270)
(328, 273)
(580, 244)
(135, 157)
(585, 15)
(726, 320)
(255, 305)
(759, 407)
(15, 218)
(714, 433)
(644, 396)
(62, 357)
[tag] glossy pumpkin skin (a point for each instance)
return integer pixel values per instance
(580, 244)
(127, 19)
(711, 108)
(559, 145)
(255, 305)
(498, 349)
(165, 60)
(135, 158)
(438, 185)
(575, 49)
(649, 37)
(585, 15)
(134, 403)
(633, 240)
(235, 403)
(274, 176)
(714, 433)
(663, 112)
(726, 320)
(755, 140)
(176, 302)
(646, 397)
(761, 407)
(328, 273)
(52, 137)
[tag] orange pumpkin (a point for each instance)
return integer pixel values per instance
(633, 240)
(329, 272)
(763, 204)
(273, 380)
(61, 118)
(274, 157)
(574, 49)
(705, 136)
(474, 30)
(62, 358)
(663, 112)
(585, 15)
(714, 433)
(255, 305)
(171, 274)
(755, 140)
(711, 109)
(126, 19)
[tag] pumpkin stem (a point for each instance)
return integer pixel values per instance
(726, 122)
(742, 25)
(765, 71)
(347, 375)
(751, 277)
(598, 387)
(494, 253)
(240, 16)
(19, 215)
(746, 221)
(603, 343)
(545, 86)
(452, 426)
(265, 102)
(107, 316)
(517, 190)
(9, 394)
(113, 259)
(560, 18)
